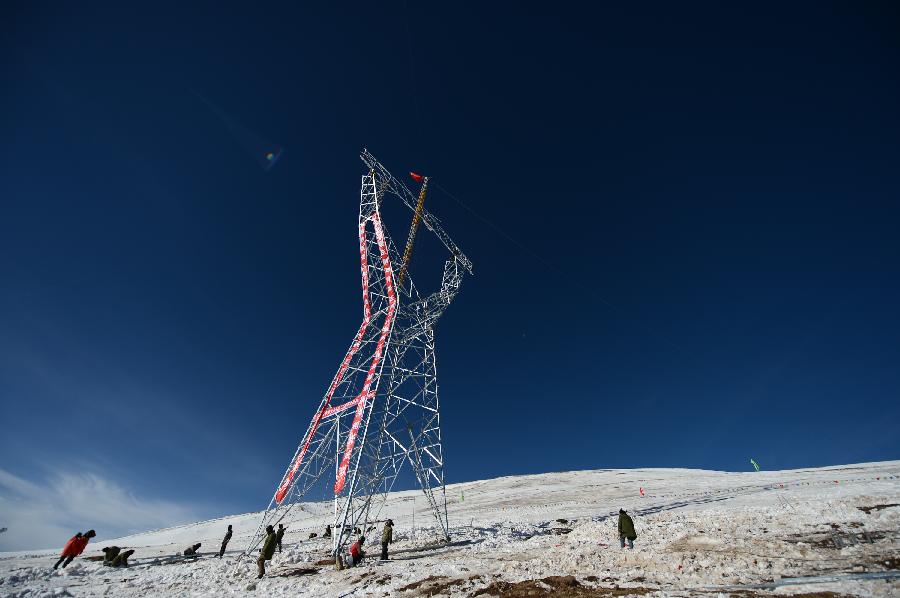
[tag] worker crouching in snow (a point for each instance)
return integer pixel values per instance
(74, 547)
(192, 550)
(121, 559)
(110, 553)
(626, 529)
(268, 550)
(356, 552)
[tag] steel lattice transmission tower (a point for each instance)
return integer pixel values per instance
(381, 410)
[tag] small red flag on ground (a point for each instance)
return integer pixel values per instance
(417, 177)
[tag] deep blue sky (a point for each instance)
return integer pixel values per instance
(709, 197)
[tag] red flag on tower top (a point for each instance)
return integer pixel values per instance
(417, 177)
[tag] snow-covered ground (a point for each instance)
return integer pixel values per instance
(699, 533)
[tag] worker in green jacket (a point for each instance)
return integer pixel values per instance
(110, 553)
(121, 559)
(387, 536)
(626, 529)
(267, 551)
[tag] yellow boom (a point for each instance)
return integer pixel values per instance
(417, 218)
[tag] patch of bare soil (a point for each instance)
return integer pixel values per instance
(363, 576)
(324, 562)
(371, 579)
(892, 563)
(297, 572)
(558, 586)
(827, 540)
(868, 510)
(434, 585)
(416, 584)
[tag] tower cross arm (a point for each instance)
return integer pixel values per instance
(429, 309)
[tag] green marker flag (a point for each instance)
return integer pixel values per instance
(462, 497)
(755, 464)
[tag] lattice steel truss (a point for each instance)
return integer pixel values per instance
(381, 410)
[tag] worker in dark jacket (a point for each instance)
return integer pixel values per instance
(74, 547)
(279, 535)
(192, 550)
(626, 529)
(110, 553)
(387, 536)
(225, 542)
(121, 559)
(327, 533)
(267, 551)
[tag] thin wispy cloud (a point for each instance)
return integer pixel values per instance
(46, 513)
(86, 387)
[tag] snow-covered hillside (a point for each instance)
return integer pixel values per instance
(699, 532)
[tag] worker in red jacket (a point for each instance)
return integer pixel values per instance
(356, 552)
(74, 547)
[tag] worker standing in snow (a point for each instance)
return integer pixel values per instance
(356, 552)
(279, 535)
(626, 529)
(327, 533)
(225, 541)
(387, 536)
(268, 550)
(74, 547)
